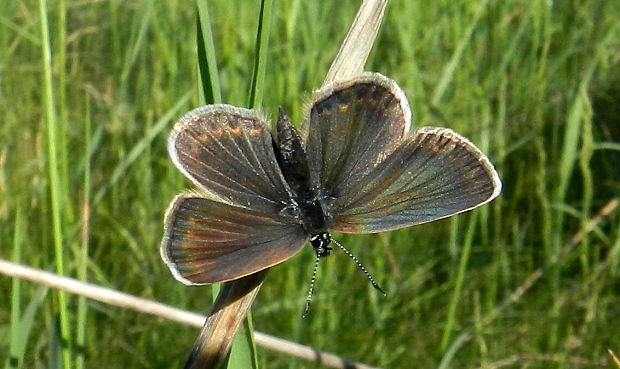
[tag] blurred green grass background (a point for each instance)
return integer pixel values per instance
(535, 84)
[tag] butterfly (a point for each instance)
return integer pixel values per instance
(354, 168)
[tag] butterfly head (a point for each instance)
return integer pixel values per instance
(320, 242)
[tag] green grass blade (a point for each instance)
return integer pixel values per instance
(452, 350)
(260, 55)
(450, 68)
(63, 151)
(54, 178)
(54, 344)
(24, 327)
(16, 336)
(138, 42)
(207, 64)
(243, 351)
(458, 283)
(572, 132)
(82, 308)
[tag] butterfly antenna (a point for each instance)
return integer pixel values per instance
(370, 278)
(311, 290)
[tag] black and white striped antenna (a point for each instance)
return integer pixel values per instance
(370, 278)
(316, 268)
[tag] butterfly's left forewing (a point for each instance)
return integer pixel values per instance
(434, 173)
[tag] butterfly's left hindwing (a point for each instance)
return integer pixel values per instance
(351, 127)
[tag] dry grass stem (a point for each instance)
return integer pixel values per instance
(131, 302)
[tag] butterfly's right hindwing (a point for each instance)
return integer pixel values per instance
(228, 153)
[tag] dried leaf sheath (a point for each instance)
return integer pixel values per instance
(224, 319)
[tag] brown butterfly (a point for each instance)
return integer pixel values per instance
(357, 169)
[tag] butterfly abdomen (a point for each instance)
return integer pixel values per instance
(293, 161)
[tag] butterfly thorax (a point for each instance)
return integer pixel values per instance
(315, 218)
(310, 206)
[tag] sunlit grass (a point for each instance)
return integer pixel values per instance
(534, 84)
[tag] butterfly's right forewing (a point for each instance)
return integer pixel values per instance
(206, 241)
